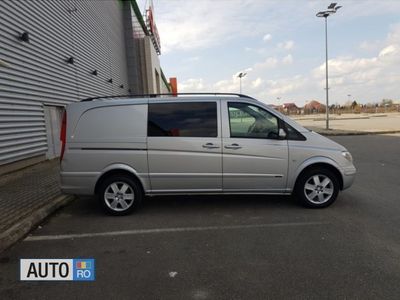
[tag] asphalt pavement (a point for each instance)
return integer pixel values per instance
(225, 247)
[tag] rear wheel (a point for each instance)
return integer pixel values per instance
(120, 195)
(317, 188)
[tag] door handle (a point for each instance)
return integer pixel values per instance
(233, 146)
(210, 146)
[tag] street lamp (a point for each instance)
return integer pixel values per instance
(241, 75)
(332, 8)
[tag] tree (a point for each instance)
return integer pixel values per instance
(354, 104)
(387, 102)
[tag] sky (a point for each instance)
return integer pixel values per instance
(281, 47)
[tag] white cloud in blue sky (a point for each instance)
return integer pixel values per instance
(267, 37)
(205, 43)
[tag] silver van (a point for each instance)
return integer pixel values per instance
(123, 148)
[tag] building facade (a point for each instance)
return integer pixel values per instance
(56, 52)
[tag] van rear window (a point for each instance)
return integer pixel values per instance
(185, 119)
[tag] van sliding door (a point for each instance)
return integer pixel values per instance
(184, 146)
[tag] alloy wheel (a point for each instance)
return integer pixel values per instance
(318, 189)
(119, 196)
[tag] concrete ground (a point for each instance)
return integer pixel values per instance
(360, 123)
(26, 197)
(232, 247)
(31, 188)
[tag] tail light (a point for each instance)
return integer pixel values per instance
(63, 134)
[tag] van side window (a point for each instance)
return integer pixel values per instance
(186, 119)
(249, 121)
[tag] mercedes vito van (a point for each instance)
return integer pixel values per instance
(123, 148)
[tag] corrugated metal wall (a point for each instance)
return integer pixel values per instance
(90, 31)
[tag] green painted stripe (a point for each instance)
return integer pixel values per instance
(139, 15)
(165, 80)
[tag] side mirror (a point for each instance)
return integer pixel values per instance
(282, 134)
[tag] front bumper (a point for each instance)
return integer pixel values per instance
(349, 174)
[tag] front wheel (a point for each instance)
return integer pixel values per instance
(317, 188)
(120, 195)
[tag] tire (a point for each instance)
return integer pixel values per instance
(317, 188)
(120, 195)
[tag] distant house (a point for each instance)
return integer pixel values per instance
(290, 108)
(276, 107)
(313, 106)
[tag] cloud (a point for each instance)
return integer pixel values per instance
(394, 34)
(257, 83)
(286, 86)
(258, 50)
(287, 60)
(187, 25)
(368, 79)
(355, 70)
(267, 37)
(371, 46)
(191, 85)
(191, 25)
(272, 62)
(389, 51)
(372, 77)
(287, 45)
(268, 63)
(228, 86)
(192, 59)
(354, 8)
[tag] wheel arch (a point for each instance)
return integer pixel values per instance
(120, 169)
(319, 163)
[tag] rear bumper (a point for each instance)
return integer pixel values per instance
(78, 183)
(349, 174)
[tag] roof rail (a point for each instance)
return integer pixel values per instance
(167, 94)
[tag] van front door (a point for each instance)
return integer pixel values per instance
(184, 146)
(254, 158)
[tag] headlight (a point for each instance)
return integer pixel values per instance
(347, 155)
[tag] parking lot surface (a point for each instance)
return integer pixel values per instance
(225, 247)
(355, 123)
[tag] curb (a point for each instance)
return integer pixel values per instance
(24, 226)
(333, 133)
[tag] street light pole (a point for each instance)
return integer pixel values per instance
(326, 72)
(241, 75)
(278, 103)
(332, 8)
